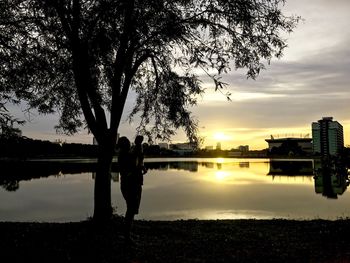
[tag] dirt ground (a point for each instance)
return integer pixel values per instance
(178, 241)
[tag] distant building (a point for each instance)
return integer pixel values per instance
(234, 154)
(243, 148)
(218, 146)
(182, 148)
(209, 148)
(240, 151)
(60, 142)
(163, 145)
(328, 137)
(94, 140)
(305, 144)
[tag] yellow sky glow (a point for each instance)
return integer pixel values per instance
(220, 136)
(255, 138)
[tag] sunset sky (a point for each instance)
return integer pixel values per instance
(310, 81)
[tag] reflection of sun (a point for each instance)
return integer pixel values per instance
(221, 175)
(220, 160)
(220, 136)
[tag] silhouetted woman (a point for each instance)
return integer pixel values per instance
(130, 184)
(137, 152)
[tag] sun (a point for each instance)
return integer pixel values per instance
(220, 136)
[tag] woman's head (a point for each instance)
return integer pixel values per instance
(124, 144)
(138, 139)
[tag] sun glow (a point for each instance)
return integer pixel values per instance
(220, 136)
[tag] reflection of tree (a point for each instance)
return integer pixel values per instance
(14, 172)
(208, 165)
(187, 166)
(183, 165)
(157, 166)
(10, 185)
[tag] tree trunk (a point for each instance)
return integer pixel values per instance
(102, 197)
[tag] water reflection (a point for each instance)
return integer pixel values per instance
(243, 164)
(12, 173)
(291, 168)
(181, 189)
(330, 180)
(192, 166)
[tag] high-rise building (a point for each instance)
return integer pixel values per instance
(327, 137)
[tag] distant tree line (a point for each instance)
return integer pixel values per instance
(22, 148)
(156, 151)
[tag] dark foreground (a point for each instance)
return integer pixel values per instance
(180, 241)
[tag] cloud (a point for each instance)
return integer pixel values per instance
(310, 81)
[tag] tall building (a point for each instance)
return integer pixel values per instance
(327, 137)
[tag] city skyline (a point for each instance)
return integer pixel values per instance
(309, 82)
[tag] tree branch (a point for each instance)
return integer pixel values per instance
(118, 98)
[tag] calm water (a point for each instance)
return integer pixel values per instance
(185, 189)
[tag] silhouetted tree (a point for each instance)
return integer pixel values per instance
(10, 185)
(7, 122)
(81, 58)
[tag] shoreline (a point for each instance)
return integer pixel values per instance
(84, 159)
(239, 240)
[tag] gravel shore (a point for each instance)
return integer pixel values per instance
(276, 240)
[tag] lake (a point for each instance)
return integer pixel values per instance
(191, 188)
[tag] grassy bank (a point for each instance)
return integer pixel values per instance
(178, 241)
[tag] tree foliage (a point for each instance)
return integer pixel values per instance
(83, 56)
(7, 122)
